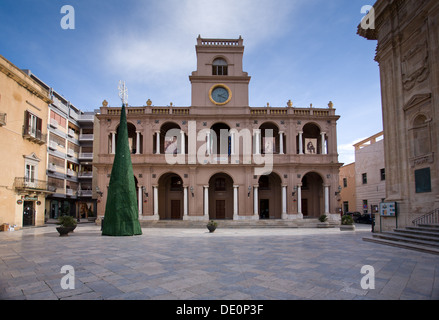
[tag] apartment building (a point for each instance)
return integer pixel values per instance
(69, 158)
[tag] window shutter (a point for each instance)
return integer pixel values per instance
(26, 122)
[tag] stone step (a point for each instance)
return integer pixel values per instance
(432, 225)
(420, 240)
(307, 223)
(404, 245)
(428, 228)
(417, 232)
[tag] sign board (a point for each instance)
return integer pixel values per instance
(388, 209)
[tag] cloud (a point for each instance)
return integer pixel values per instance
(347, 151)
(159, 40)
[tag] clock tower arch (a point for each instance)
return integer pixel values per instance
(219, 80)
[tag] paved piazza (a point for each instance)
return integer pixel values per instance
(192, 264)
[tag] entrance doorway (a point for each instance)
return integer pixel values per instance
(221, 197)
(175, 210)
(220, 209)
(28, 213)
(170, 197)
(264, 209)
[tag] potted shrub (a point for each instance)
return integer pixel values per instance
(212, 225)
(347, 223)
(66, 224)
(323, 221)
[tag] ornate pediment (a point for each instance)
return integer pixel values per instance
(32, 157)
(416, 100)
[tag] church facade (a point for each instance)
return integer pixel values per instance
(220, 158)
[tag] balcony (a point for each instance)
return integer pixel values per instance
(70, 153)
(53, 145)
(2, 119)
(70, 173)
(34, 135)
(85, 175)
(86, 118)
(69, 192)
(54, 123)
(33, 185)
(85, 193)
(86, 137)
(51, 167)
(85, 156)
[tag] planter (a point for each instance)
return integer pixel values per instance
(347, 227)
(323, 225)
(211, 228)
(63, 231)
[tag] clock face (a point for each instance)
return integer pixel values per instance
(220, 95)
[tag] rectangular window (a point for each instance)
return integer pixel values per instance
(345, 182)
(364, 178)
(423, 180)
(32, 125)
(30, 173)
(220, 71)
(383, 174)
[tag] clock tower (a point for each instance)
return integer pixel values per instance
(220, 80)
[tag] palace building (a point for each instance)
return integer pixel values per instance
(221, 158)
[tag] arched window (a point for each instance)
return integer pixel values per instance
(220, 67)
(421, 136)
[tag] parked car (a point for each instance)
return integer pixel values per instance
(360, 217)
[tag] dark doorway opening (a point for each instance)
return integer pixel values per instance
(264, 209)
(28, 213)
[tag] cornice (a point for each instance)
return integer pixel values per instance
(22, 79)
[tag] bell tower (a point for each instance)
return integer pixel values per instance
(220, 80)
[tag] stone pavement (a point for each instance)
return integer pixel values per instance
(192, 264)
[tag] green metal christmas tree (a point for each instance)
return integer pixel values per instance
(121, 212)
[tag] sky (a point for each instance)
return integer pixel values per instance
(304, 50)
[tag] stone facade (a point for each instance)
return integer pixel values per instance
(221, 158)
(348, 199)
(408, 56)
(370, 175)
(23, 134)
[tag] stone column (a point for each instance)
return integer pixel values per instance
(257, 141)
(206, 202)
(235, 203)
(208, 143)
(157, 142)
(284, 201)
(281, 142)
(183, 142)
(255, 201)
(299, 199)
(232, 143)
(137, 142)
(156, 201)
(140, 201)
(113, 142)
(185, 202)
(323, 142)
(326, 199)
(300, 142)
